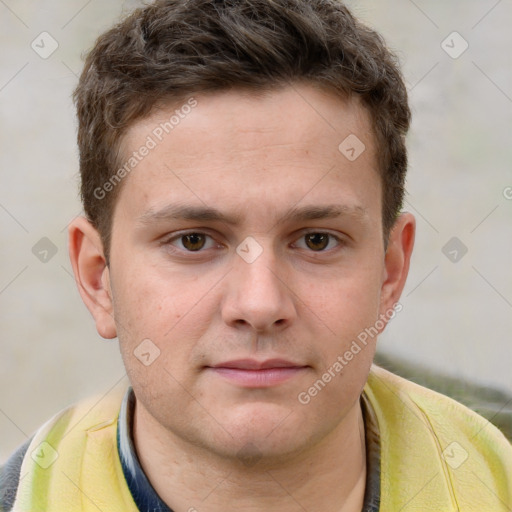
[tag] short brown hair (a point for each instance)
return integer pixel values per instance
(172, 49)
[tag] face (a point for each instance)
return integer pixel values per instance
(247, 256)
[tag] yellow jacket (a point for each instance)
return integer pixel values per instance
(436, 455)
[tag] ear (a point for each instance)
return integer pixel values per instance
(92, 274)
(397, 260)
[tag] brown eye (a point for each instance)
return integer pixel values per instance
(193, 241)
(317, 241)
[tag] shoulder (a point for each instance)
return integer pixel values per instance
(62, 435)
(428, 439)
(440, 412)
(10, 476)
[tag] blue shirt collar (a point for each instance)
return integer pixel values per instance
(142, 491)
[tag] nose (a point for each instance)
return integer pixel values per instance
(258, 295)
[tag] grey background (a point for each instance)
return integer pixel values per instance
(456, 316)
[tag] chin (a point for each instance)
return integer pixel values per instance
(263, 430)
(252, 449)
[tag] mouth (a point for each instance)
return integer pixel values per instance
(251, 373)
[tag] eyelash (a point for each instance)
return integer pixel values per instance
(168, 241)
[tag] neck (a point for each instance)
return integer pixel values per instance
(329, 476)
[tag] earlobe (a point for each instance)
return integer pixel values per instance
(397, 260)
(92, 274)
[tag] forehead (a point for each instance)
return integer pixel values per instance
(239, 146)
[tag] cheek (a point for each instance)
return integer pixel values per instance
(152, 302)
(347, 304)
(345, 312)
(160, 315)
(348, 345)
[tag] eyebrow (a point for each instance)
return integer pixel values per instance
(208, 214)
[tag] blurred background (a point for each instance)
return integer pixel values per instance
(454, 331)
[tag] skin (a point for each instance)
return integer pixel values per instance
(203, 440)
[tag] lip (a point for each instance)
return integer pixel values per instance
(253, 364)
(251, 373)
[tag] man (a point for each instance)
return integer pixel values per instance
(243, 167)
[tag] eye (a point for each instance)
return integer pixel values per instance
(192, 242)
(318, 241)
